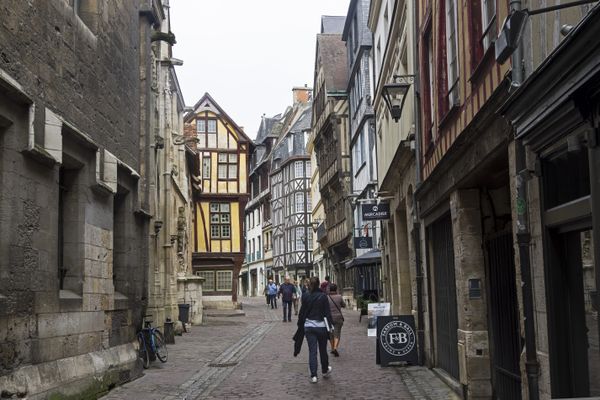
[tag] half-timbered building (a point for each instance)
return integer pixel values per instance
(290, 196)
(464, 198)
(223, 150)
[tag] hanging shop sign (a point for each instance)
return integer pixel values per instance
(374, 212)
(396, 340)
(363, 242)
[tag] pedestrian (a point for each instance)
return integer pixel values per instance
(313, 312)
(336, 303)
(287, 292)
(325, 285)
(304, 286)
(272, 293)
(297, 295)
(266, 293)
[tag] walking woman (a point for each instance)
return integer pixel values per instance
(314, 310)
(336, 303)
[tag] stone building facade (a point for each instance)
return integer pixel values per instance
(75, 112)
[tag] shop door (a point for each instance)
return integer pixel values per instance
(505, 336)
(573, 315)
(446, 316)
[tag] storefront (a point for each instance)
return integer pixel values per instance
(556, 115)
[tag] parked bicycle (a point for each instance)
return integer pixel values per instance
(152, 344)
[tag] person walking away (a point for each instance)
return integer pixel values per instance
(336, 303)
(314, 310)
(287, 292)
(272, 293)
(325, 285)
(297, 295)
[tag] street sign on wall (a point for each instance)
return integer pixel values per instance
(374, 212)
(396, 340)
(363, 242)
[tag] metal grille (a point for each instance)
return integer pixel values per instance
(446, 317)
(504, 315)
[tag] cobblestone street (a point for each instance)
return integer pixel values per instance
(251, 356)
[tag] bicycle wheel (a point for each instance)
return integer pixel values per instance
(143, 351)
(160, 346)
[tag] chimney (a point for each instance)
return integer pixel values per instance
(301, 94)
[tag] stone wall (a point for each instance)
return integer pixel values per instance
(69, 171)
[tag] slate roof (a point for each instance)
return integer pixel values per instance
(331, 55)
(332, 24)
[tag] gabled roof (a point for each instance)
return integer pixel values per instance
(207, 103)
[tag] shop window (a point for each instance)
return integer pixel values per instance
(566, 176)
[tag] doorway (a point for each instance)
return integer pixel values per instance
(573, 313)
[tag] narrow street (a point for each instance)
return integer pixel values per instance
(251, 356)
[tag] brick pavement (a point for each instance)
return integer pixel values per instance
(251, 357)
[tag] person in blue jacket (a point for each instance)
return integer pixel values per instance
(272, 287)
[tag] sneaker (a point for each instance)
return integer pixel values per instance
(314, 379)
(328, 373)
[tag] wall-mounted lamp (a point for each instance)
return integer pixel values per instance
(395, 94)
(512, 29)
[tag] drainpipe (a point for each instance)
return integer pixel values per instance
(524, 237)
(416, 216)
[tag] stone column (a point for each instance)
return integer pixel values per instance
(402, 263)
(473, 347)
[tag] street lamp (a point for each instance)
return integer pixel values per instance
(395, 93)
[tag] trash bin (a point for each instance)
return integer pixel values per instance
(169, 332)
(184, 313)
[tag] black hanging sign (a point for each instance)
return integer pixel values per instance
(363, 242)
(374, 212)
(396, 340)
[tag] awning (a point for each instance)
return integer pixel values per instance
(370, 257)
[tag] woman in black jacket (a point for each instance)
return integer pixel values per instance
(314, 310)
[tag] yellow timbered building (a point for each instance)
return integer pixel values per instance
(222, 151)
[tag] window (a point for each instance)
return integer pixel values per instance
(299, 202)
(308, 204)
(308, 170)
(224, 281)
(220, 221)
(212, 126)
(209, 280)
(488, 18)
(206, 167)
(201, 126)
(300, 239)
(299, 169)
(227, 166)
(452, 52)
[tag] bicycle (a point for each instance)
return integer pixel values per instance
(152, 344)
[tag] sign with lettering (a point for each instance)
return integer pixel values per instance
(373, 212)
(396, 340)
(363, 242)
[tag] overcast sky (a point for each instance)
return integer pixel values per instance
(247, 54)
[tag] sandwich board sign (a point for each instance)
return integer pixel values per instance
(396, 340)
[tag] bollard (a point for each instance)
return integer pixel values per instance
(169, 332)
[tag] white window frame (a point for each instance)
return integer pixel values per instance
(299, 202)
(300, 239)
(209, 280)
(212, 123)
(487, 23)
(206, 167)
(299, 169)
(452, 52)
(224, 277)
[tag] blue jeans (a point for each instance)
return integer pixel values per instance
(317, 337)
(287, 305)
(273, 300)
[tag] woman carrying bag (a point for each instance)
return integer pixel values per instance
(314, 317)
(336, 303)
